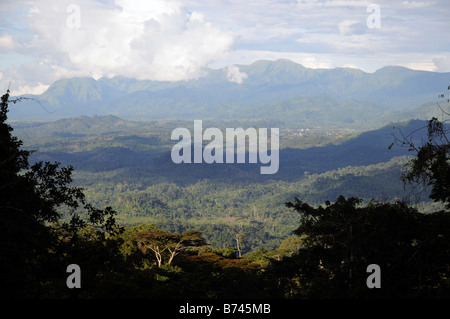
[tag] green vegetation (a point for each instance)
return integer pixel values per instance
(218, 231)
(126, 165)
(34, 237)
(344, 237)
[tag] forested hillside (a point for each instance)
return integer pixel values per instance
(126, 164)
(310, 231)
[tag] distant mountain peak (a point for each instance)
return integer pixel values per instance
(394, 68)
(235, 89)
(274, 64)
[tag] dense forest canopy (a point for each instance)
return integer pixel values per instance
(267, 243)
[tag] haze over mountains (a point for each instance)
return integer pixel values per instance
(127, 163)
(280, 89)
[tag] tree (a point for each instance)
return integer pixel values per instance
(239, 238)
(290, 246)
(341, 239)
(431, 165)
(168, 245)
(412, 249)
(33, 201)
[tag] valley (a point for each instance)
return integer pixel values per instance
(335, 128)
(126, 164)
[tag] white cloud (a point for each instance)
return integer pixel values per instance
(175, 39)
(442, 62)
(332, 3)
(418, 4)
(347, 26)
(365, 3)
(26, 89)
(6, 43)
(157, 40)
(235, 75)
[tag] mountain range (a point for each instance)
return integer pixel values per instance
(279, 89)
(104, 143)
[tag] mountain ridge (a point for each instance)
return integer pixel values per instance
(234, 90)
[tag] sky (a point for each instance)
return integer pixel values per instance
(47, 40)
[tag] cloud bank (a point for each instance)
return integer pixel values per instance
(154, 40)
(46, 40)
(235, 75)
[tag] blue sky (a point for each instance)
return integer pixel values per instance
(43, 41)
